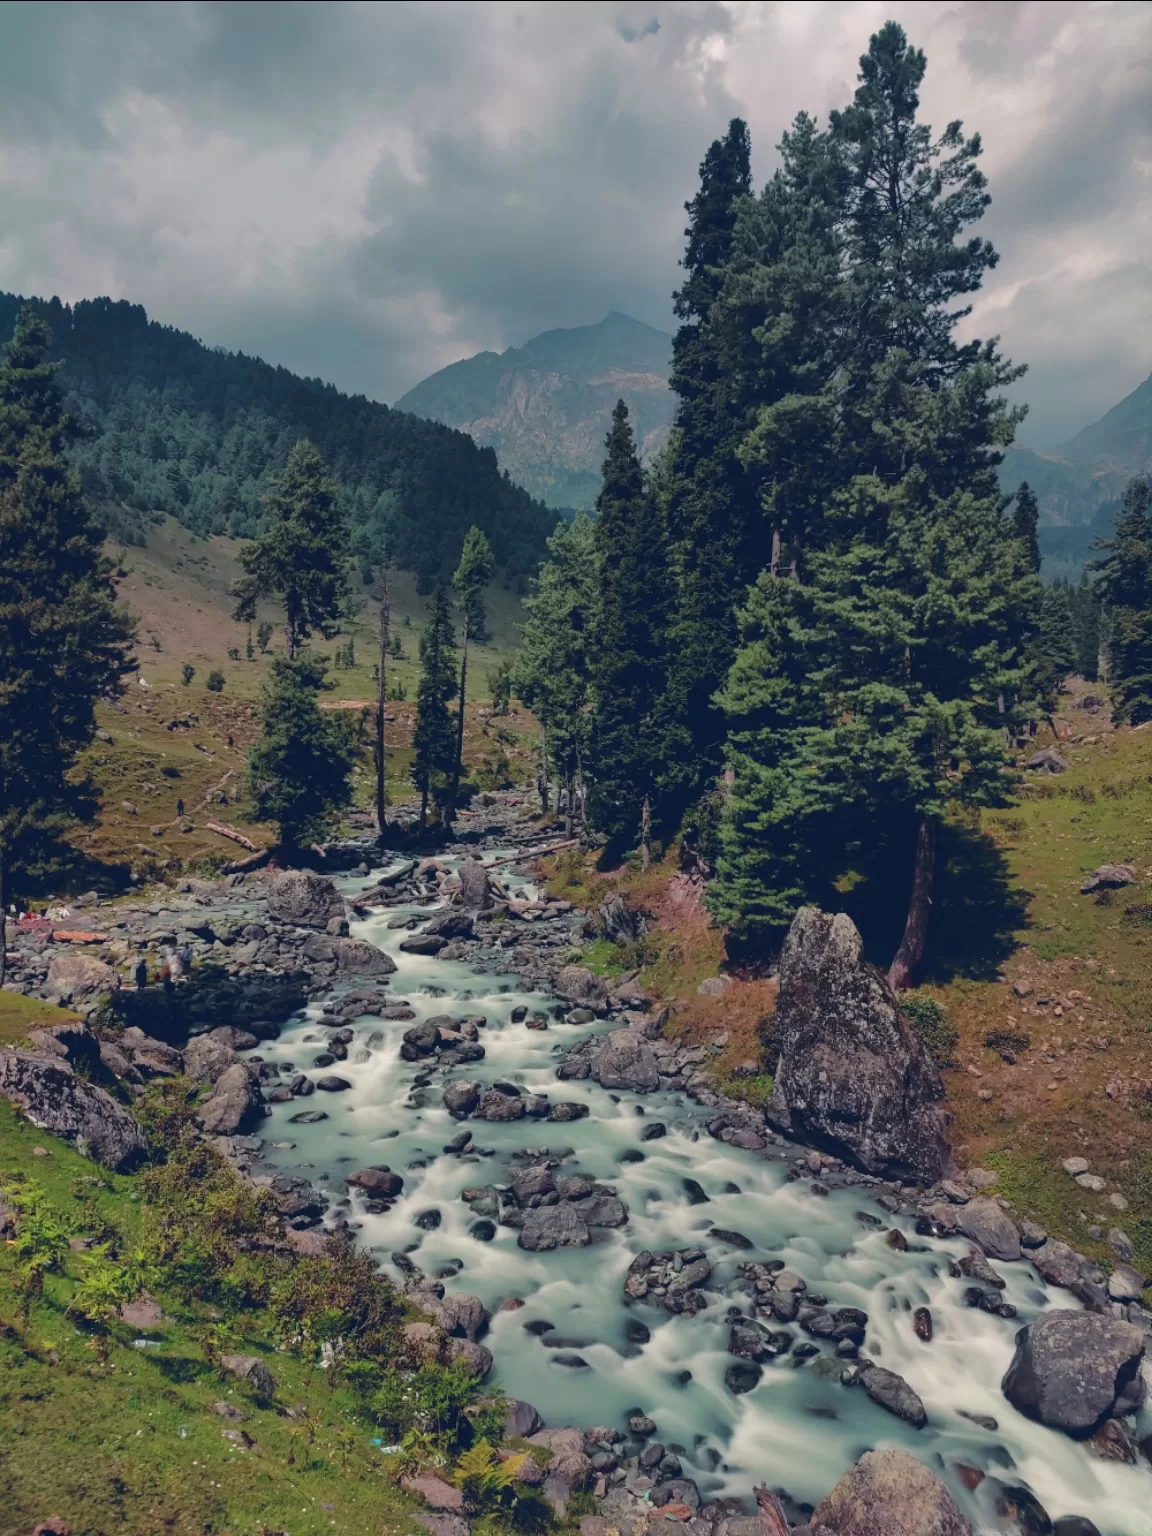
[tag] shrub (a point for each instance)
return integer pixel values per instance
(932, 1025)
(187, 673)
(233, 653)
(215, 682)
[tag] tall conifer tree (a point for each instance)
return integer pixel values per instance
(472, 575)
(434, 736)
(629, 661)
(1124, 579)
(64, 644)
(298, 770)
(1026, 523)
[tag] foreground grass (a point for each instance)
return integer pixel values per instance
(132, 1446)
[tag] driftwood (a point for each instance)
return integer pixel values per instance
(773, 1521)
(232, 834)
(254, 861)
(533, 853)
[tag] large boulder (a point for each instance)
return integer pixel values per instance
(626, 1060)
(47, 1091)
(854, 1077)
(307, 900)
(1073, 1370)
(582, 988)
(207, 1057)
(73, 1042)
(553, 1226)
(475, 887)
(357, 957)
(79, 979)
(889, 1493)
(233, 1099)
(985, 1223)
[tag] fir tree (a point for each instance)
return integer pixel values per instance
(901, 640)
(712, 524)
(302, 556)
(629, 664)
(1025, 522)
(472, 575)
(558, 643)
(298, 770)
(1087, 614)
(1124, 580)
(434, 738)
(63, 642)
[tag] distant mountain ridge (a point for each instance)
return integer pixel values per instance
(545, 407)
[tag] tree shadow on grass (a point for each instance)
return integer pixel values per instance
(977, 910)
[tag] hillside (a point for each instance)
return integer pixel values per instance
(1121, 439)
(544, 407)
(170, 426)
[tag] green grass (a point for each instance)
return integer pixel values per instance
(19, 1014)
(753, 1090)
(132, 1447)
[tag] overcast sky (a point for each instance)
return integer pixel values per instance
(368, 192)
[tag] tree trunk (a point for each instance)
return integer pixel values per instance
(911, 950)
(381, 699)
(645, 834)
(3, 925)
(458, 765)
(775, 551)
(568, 793)
(424, 806)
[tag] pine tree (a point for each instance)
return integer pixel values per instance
(434, 737)
(63, 642)
(1026, 521)
(629, 664)
(558, 643)
(298, 770)
(473, 574)
(1124, 580)
(302, 555)
(1087, 615)
(873, 692)
(712, 524)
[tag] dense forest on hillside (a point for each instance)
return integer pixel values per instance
(168, 425)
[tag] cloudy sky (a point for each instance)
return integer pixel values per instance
(367, 192)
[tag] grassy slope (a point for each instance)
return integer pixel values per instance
(132, 1447)
(177, 589)
(1082, 1086)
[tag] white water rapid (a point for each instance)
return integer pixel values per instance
(800, 1428)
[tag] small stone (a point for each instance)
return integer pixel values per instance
(1073, 1166)
(1092, 1182)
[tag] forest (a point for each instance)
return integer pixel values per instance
(164, 424)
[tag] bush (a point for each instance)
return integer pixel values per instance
(215, 682)
(931, 1024)
(187, 673)
(233, 653)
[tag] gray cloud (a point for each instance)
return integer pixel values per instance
(368, 192)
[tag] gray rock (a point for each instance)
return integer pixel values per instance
(520, 1419)
(1125, 1284)
(889, 1493)
(309, 901)
(232, 1100)
(453, 924)
(73, 1042)
(475, 1358)
(423, 944)
(207, 1058)
(1059, 1264)
(553, 1226)
(985, 1223)
(252, 1371)
(618, 923)
(78, 978)
(1047, 760)
(377, 1183)
(498, 1106)
(357, 957)
(48, 1092)
(626, 1060)
(461, 1098)
(1109, 877)
(893, 1392)
(1073, 1370)
(475, 887)
(582, 987)
(569, 1463)
(853, 1077)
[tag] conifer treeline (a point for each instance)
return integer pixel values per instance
(818, 598)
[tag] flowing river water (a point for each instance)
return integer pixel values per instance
(800, 1428)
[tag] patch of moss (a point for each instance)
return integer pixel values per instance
(933, 1026)
(753, 1090)
(19, 1014)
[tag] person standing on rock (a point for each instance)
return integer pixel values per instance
(186, 961)
(180, 809)
(173, 963)
(141, 974)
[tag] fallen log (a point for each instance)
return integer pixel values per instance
(243, 866)
(232, 834)
(533, 853)
(773, 1521)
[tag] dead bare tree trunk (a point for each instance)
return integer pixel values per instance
(381, 699)
(457, 766)
(645, 834)
(775, 552)
(911, 950)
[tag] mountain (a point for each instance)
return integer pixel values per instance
(1122, 438)
(545, 407)
(168, 425)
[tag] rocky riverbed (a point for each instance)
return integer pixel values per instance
(654, 1273)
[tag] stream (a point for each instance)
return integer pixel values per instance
(576, 1348)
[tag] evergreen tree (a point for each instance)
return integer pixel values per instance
(1087, 615)
(1025, 522)
(1124, 580)
(558, 642)
(298, 770)
(712, 524)
(473, 574)
(629, 664)
(302, 555)
(434, 738)
(873, 692)
(63, 642)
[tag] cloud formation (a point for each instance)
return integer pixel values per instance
(367, 192)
